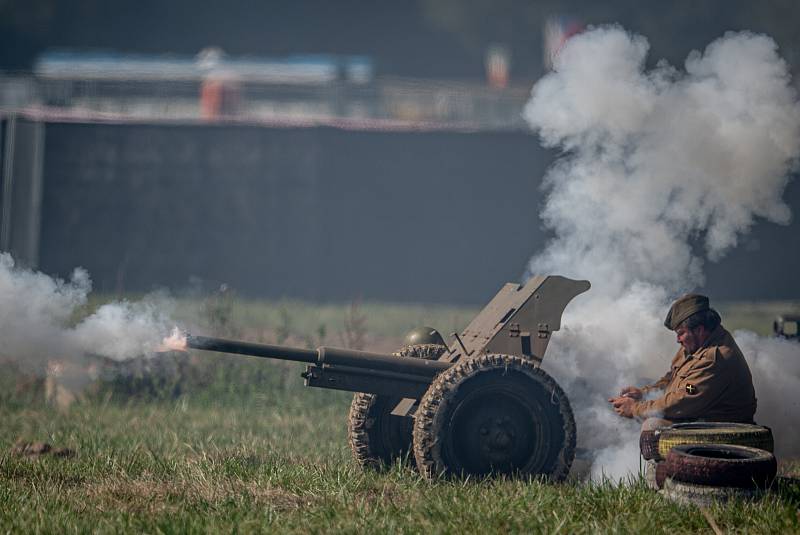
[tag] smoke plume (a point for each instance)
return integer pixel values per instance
(661, 169)
(37, 315)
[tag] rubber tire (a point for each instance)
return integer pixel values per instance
(660, 474)
(521, 389)
(721, 465)
(648, 444)
(754, 436)
(704, 495)
(377, 438)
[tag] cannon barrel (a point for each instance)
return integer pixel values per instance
(321, 356)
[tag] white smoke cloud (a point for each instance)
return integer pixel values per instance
(37, 312)
(775, 364)
(653, 162)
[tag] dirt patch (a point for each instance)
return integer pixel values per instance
(377, 498)
(23, 448)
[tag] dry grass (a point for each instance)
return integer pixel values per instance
(150, 495)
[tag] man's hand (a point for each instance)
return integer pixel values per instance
(632, 392)
(623, 405)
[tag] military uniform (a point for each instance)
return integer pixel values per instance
(713, 384)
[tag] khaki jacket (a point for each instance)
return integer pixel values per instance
(712, 384)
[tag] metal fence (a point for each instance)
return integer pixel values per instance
(391, 99)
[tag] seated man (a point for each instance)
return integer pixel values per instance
(709, 379)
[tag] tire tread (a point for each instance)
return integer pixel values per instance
(369, 449)
(429, 418)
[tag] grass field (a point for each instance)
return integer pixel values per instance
(243, 447)
(279, 463)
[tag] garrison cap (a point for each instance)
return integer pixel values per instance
(683, 307)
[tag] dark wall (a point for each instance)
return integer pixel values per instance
(766, 262)
(324, 213)
(317, 213)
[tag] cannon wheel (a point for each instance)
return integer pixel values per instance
(377, 438)
(494, 414)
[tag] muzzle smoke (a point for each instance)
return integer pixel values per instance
(37, 314)
(661, 170)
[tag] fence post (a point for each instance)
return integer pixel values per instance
(35, 199)
(7, 177)
(22, 187)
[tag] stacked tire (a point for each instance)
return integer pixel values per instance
(704, 462)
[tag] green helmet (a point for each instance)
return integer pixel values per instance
(424, 335)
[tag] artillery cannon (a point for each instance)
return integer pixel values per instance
(481, 405)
